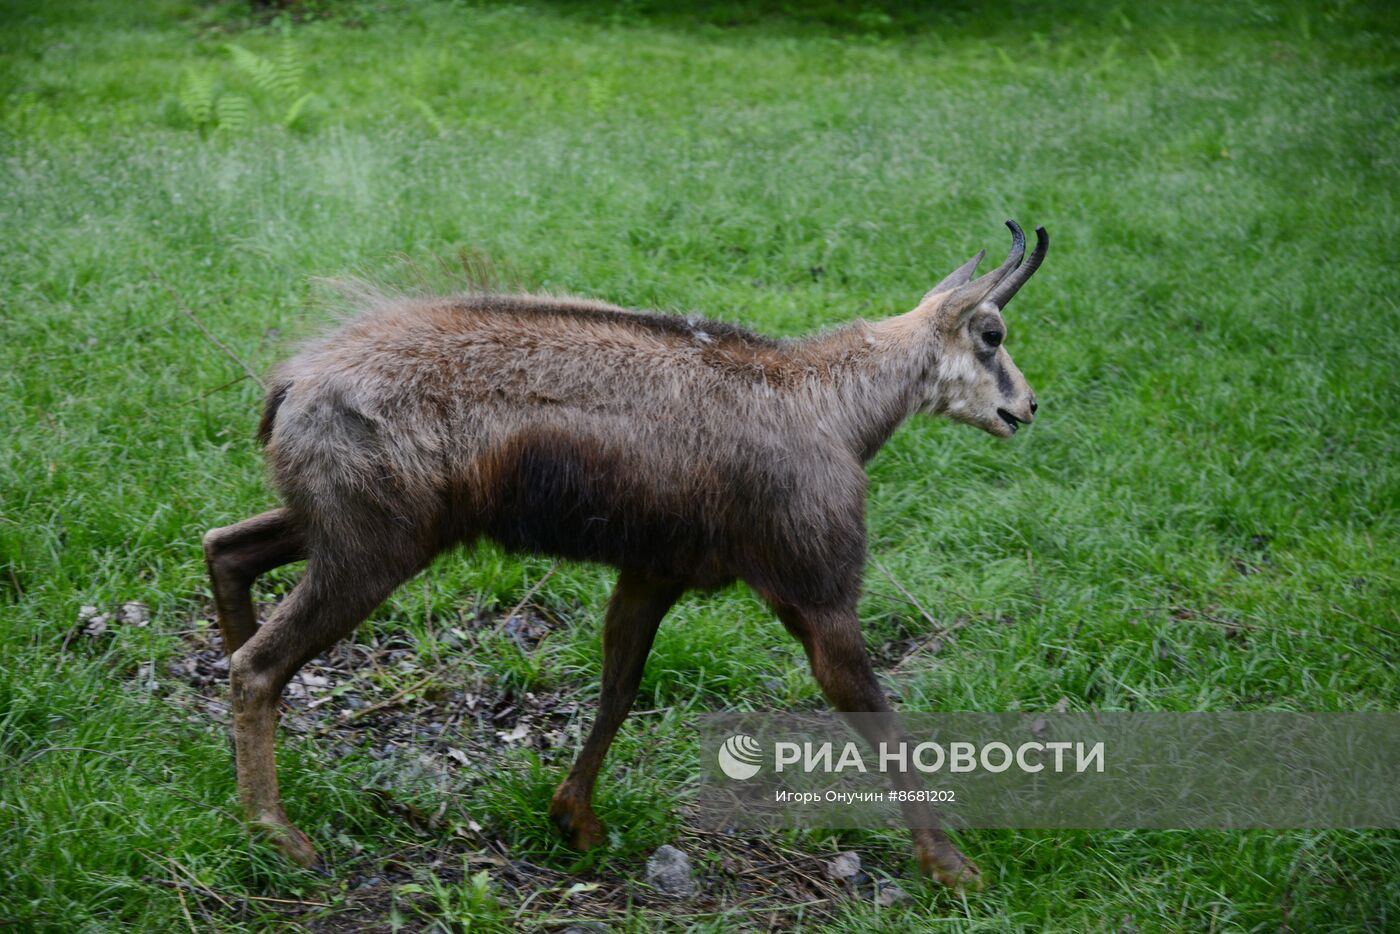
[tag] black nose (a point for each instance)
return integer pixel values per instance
(1033, 405)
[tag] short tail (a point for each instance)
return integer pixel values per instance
(275, 397)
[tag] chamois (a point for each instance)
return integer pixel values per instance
(686, 453)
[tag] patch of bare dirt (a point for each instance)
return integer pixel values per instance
(773, 887)
(379, 691)
(431, 723)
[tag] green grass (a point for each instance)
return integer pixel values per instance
(1213, 341)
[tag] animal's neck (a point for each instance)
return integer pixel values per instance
(870, 377)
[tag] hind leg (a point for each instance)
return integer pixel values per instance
(335, 596)
(236, 555)
(634, 613)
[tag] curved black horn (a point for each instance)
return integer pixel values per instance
(1013, 259)
(1008, 287)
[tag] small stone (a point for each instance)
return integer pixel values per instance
(134, 614)
(845, 866)
(146, 677)
(891, 895)
(521, 731)
(183, 668)
(668, 871)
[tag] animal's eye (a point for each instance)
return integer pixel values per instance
(993, 338)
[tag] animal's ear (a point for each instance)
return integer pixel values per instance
(960, 276)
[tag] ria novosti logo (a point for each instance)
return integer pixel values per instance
(740, 757)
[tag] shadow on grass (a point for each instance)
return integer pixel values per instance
(965, 19)
(871, 20)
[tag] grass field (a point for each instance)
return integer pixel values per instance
(1204, 517)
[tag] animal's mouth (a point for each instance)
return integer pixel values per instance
(1012, 421)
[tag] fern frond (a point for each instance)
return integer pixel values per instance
(233, 113)
(600, 95)
(197, 97)
(289, 69)
(294, 111)
(262, 71)
(429, 114)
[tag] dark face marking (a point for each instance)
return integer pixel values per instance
(1003, 378)
(988, 331)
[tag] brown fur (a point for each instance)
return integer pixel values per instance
(687, 453)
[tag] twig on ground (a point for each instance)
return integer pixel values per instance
(184, 906)
(350, 716)
(209, 392)
(940, 631)
(193, 882)
(534, 589)
(204, 890)
(287, 901)
(907, 595)
(1201, 616)
(194, 319)
(943, 633)
(67, 640)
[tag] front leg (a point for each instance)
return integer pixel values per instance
(835, 648)
(634, 613)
